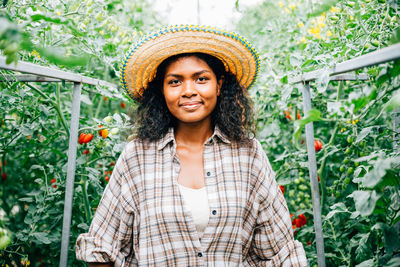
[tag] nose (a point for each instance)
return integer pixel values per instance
(189, 89)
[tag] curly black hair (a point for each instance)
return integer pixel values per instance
(233, 112)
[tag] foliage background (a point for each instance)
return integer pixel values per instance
(358, 164)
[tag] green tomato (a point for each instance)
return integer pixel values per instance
(302, 206)
(337, 194)
(350, 4)
(301, 174)
(367, 45)
(114, 131)
(296, 181)
(301, 194)
(293, 203)
(347, 180)
(4, 241)
(350, 139)
(291, 193)
(362, 143)
(301, 179)
(356, 164)
(350, 170)
(342, 169)
(334, 18)
(346, 160)
(348, 151)
(108, 119)
(303, 187)
(375, 43)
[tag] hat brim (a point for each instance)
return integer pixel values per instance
(140, 63)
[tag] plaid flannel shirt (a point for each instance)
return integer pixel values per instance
(142, 220)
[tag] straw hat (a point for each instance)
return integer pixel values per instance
(141, 61)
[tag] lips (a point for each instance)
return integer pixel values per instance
(190, 106)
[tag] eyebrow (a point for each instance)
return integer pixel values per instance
(194, 74)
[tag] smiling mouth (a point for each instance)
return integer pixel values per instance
(191, 106)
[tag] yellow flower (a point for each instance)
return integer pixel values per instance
(303, 40)
(58, 13)
(101, 32)
(351, 18)
(313, 21)
(315, 31)
(281, 4)
(348, 122)
(300, 24)
(355, 121)
(321, 24)
(335, 9)
(342, 130)
(35, 54)
(329, 33)
(288, 10)
(292, 6)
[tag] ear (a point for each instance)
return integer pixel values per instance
(219, 84)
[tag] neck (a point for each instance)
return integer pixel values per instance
(193, 134)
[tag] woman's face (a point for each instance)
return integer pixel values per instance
(191, 89)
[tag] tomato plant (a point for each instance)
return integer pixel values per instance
(84, 37)
(358, 167)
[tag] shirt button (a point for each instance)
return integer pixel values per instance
(208, 173)
(214, 212)
(200, 254)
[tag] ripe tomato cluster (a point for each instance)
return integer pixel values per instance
(85, 138)
(103, 132)
(318, 145)
(53, 181)
(298, 222)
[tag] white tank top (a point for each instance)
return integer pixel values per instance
(196, 201)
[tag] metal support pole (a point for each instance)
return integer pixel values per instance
(69, 184)
(312, 166)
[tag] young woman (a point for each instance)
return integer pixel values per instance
(195, 187)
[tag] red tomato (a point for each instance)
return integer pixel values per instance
(4, 176)
(53, 181)
(86, 151)
(106, 178)
(87, 138)
(123, 105)
(81, 137)
(318, 145)
(282, 189)
(298, 115)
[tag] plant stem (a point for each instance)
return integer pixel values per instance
(55, 104)
(86, 200)
(99, 106)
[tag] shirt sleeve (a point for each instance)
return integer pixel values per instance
(273, 240)
(110, 234)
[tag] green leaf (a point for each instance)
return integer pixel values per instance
(365, 201)
(56, 20)
(336, 208)
(376, 175)
(42, 237)
(363, 101)
(322, 7)
(394, 103)
(364, 132)
(311, 116)
(367, 263)
(394, 262)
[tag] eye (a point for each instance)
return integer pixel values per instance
(174, 82)
(202, 79)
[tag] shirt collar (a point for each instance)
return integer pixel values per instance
(170, 137)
